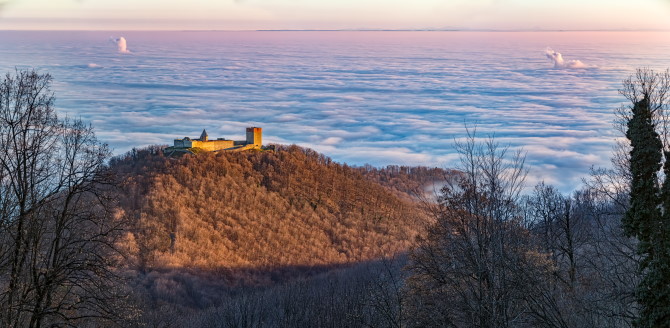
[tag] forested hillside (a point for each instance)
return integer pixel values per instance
(258, 218)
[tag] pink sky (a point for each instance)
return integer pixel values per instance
(335, 14)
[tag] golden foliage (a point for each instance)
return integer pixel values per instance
(259, 211)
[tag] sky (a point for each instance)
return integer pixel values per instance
(334, 14)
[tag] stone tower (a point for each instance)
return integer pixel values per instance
(204, 136)
(255, 136)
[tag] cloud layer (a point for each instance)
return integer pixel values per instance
(360, 97)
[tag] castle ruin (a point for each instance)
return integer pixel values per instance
(254, 140)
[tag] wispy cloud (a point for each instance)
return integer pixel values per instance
(121, 44)
(559, 62)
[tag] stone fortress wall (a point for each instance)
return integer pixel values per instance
(254, 140)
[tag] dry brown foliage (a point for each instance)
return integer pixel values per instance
(254, 218)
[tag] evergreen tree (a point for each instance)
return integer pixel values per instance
(655, 286)
(649, 211)
(645, 161)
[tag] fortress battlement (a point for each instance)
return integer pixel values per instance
(254, 140)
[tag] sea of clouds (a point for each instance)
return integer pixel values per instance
(360, 97)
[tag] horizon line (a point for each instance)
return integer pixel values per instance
(337, 30)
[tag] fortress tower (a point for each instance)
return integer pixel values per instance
(255, 136)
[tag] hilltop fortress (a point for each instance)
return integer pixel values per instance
(254, 140)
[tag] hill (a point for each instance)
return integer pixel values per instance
(259, 218)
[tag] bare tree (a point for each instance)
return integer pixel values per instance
(477, 265)
(653, 87)
(593, 264)
(558, 224)
(56, 227)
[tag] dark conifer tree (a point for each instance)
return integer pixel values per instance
(649, 211)
(656, 285)
(644, 213)
(645, 161)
